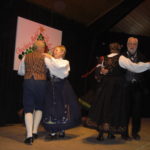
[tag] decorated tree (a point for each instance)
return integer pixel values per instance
(29, 47)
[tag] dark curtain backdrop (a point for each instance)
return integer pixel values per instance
(74, 38)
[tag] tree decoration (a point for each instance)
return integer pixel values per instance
(29, 48)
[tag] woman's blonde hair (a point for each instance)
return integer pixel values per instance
(63, 49)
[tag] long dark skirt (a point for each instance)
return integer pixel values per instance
(110, 108)
(61, 109)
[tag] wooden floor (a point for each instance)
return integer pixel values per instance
(79, 138)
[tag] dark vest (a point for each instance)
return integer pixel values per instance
(112, 64)
(35, 66)
(130, 76)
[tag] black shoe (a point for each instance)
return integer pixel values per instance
(62, 134)
(51, 136)
(35, 135)
(136, 136)
(100, 137)
(28, 140)
(111, 136)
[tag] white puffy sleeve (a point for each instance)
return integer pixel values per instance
(58, 67)
(139, 67)
(21, 69)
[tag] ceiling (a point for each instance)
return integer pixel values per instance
(88, 11)
(137, 22)
(82, 11)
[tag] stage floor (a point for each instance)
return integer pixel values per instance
(79, 138)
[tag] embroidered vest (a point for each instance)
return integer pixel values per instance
(35, 66)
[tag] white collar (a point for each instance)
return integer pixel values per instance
(112, 54)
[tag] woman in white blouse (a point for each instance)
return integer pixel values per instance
(61, 109)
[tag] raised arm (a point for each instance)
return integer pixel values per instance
(58, 67)
(139, 67)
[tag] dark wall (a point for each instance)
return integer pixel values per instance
(74, 38)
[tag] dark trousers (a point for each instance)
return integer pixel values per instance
(134, 96)
(33, 94)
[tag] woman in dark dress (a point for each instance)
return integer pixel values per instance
(61, 109)
(110, 108)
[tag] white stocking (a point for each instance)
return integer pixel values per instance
(37, 119)
(29, 123)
